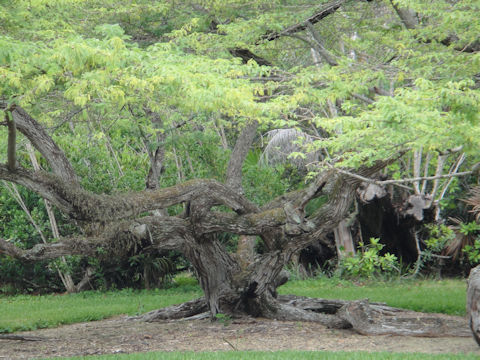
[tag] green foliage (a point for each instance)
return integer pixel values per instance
(469, 228)
(224, 319)
(25, 312)
(471, 251)
(261, 182)
(17, 276)
(368, 262)
(439, 237)
(185, 279)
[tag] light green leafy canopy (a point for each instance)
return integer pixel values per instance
(122, 58)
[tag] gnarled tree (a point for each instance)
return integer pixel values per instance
(364, 111)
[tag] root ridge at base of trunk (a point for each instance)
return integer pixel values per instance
(362, 316)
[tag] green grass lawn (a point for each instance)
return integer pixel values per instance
(278, 355)
(31, 312)
(440, 296)
(26, 312)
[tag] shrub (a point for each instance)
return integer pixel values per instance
(368, 262)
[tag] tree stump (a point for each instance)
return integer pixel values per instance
(473, 302)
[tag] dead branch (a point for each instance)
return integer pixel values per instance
(400, 181)
(322, 13)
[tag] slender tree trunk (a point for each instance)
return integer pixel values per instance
(66, 278)
(343, 240)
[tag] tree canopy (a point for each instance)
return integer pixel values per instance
(405, 86)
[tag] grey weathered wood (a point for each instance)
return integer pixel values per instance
(188, 309)
(368, 319)
(473, 302)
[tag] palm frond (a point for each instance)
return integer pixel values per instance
(474, 201)
(283, 142)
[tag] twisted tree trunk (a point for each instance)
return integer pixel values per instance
(115, 224)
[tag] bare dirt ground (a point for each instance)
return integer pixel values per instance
(120, 336)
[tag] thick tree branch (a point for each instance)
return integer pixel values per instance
(318, 46)
(163, 233)
(239, 153)
(409, 17)
(42, 142)
(248, 224)
(86, 206)
(247, 55)
(12, 141)
(74, 246)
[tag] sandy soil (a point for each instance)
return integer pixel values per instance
(121, 336)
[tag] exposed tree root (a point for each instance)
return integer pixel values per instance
(367, 319)
(21, 337)
(362, 316)
(186, 310)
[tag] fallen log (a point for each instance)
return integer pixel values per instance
(370, 319)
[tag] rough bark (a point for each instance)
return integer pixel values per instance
(343, 239)
(473, 302)
(239, 153)
(86, 206)
(409, 17)
(368, 319)
(362, 316)
(12, 141)
(43, 143)
(183, 311)
(116, 226)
